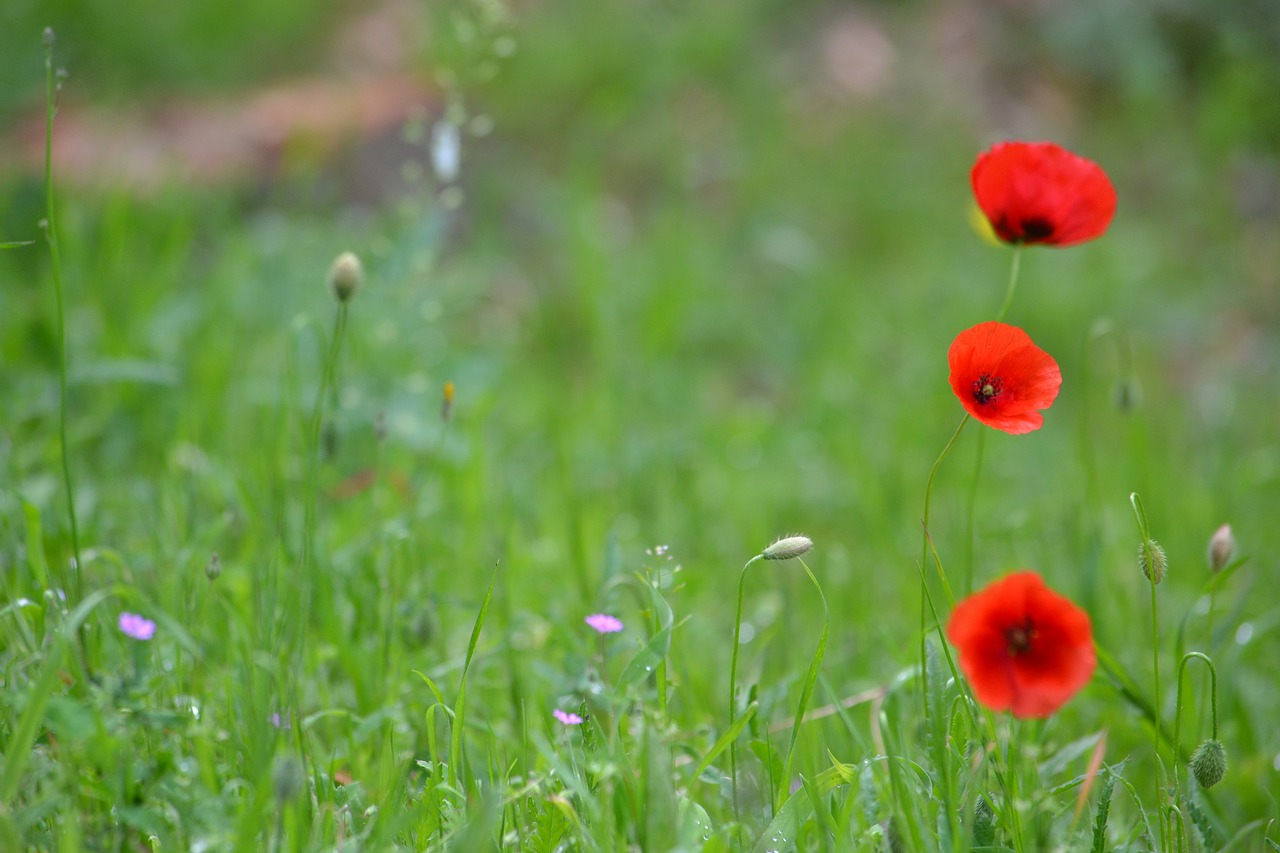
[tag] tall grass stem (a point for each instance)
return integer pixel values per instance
(76, 592)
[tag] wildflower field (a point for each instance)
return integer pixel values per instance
(592, 425)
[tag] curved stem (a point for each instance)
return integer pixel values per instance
(1177, 717)
(928, 492)
(1013, 283)
(733, 679)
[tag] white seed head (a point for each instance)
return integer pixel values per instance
(788, 548)
(345, 276)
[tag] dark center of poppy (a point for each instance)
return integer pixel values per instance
(986, 388)
(1036, 228)
(1018, 638)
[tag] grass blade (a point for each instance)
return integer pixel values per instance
(460, 707)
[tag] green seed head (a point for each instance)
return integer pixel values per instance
(1152, 560)
(1209, 763)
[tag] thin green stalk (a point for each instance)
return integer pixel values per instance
(928, 493)
(806, 692)
(971, 513)
(970, 510)
(1002, 774)
(1177, 717)
(55, 257)
(307, 568)
(1013, 283)
(733, 681)
(1148, 553)
(924, 561)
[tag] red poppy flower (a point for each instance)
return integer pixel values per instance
(1002, 378)
(1038, 192)
(1022, 646)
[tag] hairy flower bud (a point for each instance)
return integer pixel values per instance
(213, 569)
(1152, 560)
(345, 276)
(1222, 547)
(1209, 763)
(788, 548)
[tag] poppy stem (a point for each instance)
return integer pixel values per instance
(1013, 282)
(928, 491)
(733, 683)
(1140, 513)
(1177, 717)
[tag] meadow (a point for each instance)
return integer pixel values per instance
(326, 577)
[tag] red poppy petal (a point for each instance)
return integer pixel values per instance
(1029, 376)
(1039, 192)
(1039, 679)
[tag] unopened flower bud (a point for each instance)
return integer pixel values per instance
(213, 569)
(345, 276)
(1153, 561)
(49, 37)
(788, 548)
(1222, 547)
(1209, 763)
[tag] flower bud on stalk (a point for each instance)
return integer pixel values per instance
(1152, 560)
(1222, 547)
(788, 548)
(1209, 763)
(345, 276)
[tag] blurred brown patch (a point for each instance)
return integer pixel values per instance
(367, 93)
(363, 480)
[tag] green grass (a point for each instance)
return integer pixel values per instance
(694, 299)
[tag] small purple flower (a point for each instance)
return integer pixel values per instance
(604, 623)
(280, 722)
(566, 717)
(137, 627)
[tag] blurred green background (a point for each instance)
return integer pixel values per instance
(695, 286)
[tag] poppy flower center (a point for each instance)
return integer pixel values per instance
(986, 388)
(1035, 228)
(1018, 638)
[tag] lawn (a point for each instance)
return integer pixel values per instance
(692, 290)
